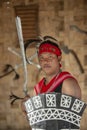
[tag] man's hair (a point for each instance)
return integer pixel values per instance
(50, 42)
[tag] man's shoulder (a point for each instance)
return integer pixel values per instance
(66, 74)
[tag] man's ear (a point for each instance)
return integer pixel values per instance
(59, 58)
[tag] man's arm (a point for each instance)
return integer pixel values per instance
(71, 87)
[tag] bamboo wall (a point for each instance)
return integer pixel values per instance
(66, 20)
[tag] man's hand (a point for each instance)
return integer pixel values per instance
(22, 104)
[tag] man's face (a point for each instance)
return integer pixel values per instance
(49, 63)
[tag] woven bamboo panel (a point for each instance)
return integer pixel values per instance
(29, 20)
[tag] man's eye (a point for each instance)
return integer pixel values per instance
(41, 59)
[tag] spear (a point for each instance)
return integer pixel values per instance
(20, 37)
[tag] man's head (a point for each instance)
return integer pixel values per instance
(49, 55)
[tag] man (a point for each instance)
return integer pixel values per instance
(49, 55)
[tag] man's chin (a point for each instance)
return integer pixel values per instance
(48, 73)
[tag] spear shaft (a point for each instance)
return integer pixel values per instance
(20, 37)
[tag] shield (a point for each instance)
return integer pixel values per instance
(54, 111)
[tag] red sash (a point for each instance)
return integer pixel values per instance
(54, 83)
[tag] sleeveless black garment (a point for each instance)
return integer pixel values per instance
(59, 88)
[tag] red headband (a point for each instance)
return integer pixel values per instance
(49, 48)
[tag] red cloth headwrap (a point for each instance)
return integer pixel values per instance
(49, 48)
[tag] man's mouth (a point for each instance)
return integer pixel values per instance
(46, 66)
